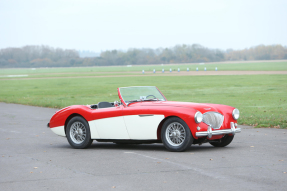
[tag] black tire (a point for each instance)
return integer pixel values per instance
(224, 141)
(176, 140)
(80, 138)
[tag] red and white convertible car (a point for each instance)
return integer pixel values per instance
(143, 115)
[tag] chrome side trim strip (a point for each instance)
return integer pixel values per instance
(210, 133)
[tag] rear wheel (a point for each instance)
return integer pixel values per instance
(176, 135)
(224, 141)
(78, 133)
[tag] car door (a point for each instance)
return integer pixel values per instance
(141, 123)
(110, 124)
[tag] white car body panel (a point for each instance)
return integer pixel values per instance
(136, 127)
(143, 126)
(93, 130)
(111, 128)
(59, 131)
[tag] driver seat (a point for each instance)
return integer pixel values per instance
(104, 104)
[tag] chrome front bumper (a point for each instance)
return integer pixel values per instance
(210, 133)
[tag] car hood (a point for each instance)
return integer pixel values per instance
(202, 107)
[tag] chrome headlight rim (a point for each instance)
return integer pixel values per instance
(235, 114)
(198, 117)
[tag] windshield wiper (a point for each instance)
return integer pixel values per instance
(151, 99)
(134, 100)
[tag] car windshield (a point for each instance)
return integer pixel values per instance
(141, 93)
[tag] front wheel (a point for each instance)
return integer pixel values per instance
(224, 141)
(176, 135)
(78, 133)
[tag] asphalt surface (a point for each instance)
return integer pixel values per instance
(32, 157)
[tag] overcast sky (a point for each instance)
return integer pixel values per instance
(121, 24)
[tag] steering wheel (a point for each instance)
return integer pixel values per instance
(152, 96)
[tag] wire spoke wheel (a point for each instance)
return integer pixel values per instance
(78, 132)
(175, 134)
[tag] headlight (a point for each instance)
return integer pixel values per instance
(235, 114)
(198, 117)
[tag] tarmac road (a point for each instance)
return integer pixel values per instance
(32, 157)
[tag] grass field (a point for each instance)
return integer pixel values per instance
(100, 71)
(261, 99)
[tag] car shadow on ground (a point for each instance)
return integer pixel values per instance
(148, 147)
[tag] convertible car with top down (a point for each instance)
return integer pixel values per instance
(143, 115)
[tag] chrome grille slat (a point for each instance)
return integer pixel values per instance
(213, 118)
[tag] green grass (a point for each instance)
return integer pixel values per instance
(261, 99)
(61, 75)
(244, 66)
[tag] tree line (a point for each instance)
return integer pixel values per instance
(45, 56)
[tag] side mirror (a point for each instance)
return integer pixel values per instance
(116, 104)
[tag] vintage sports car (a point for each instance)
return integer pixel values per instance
(143, 115)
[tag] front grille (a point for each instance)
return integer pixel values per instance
(214, 119)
